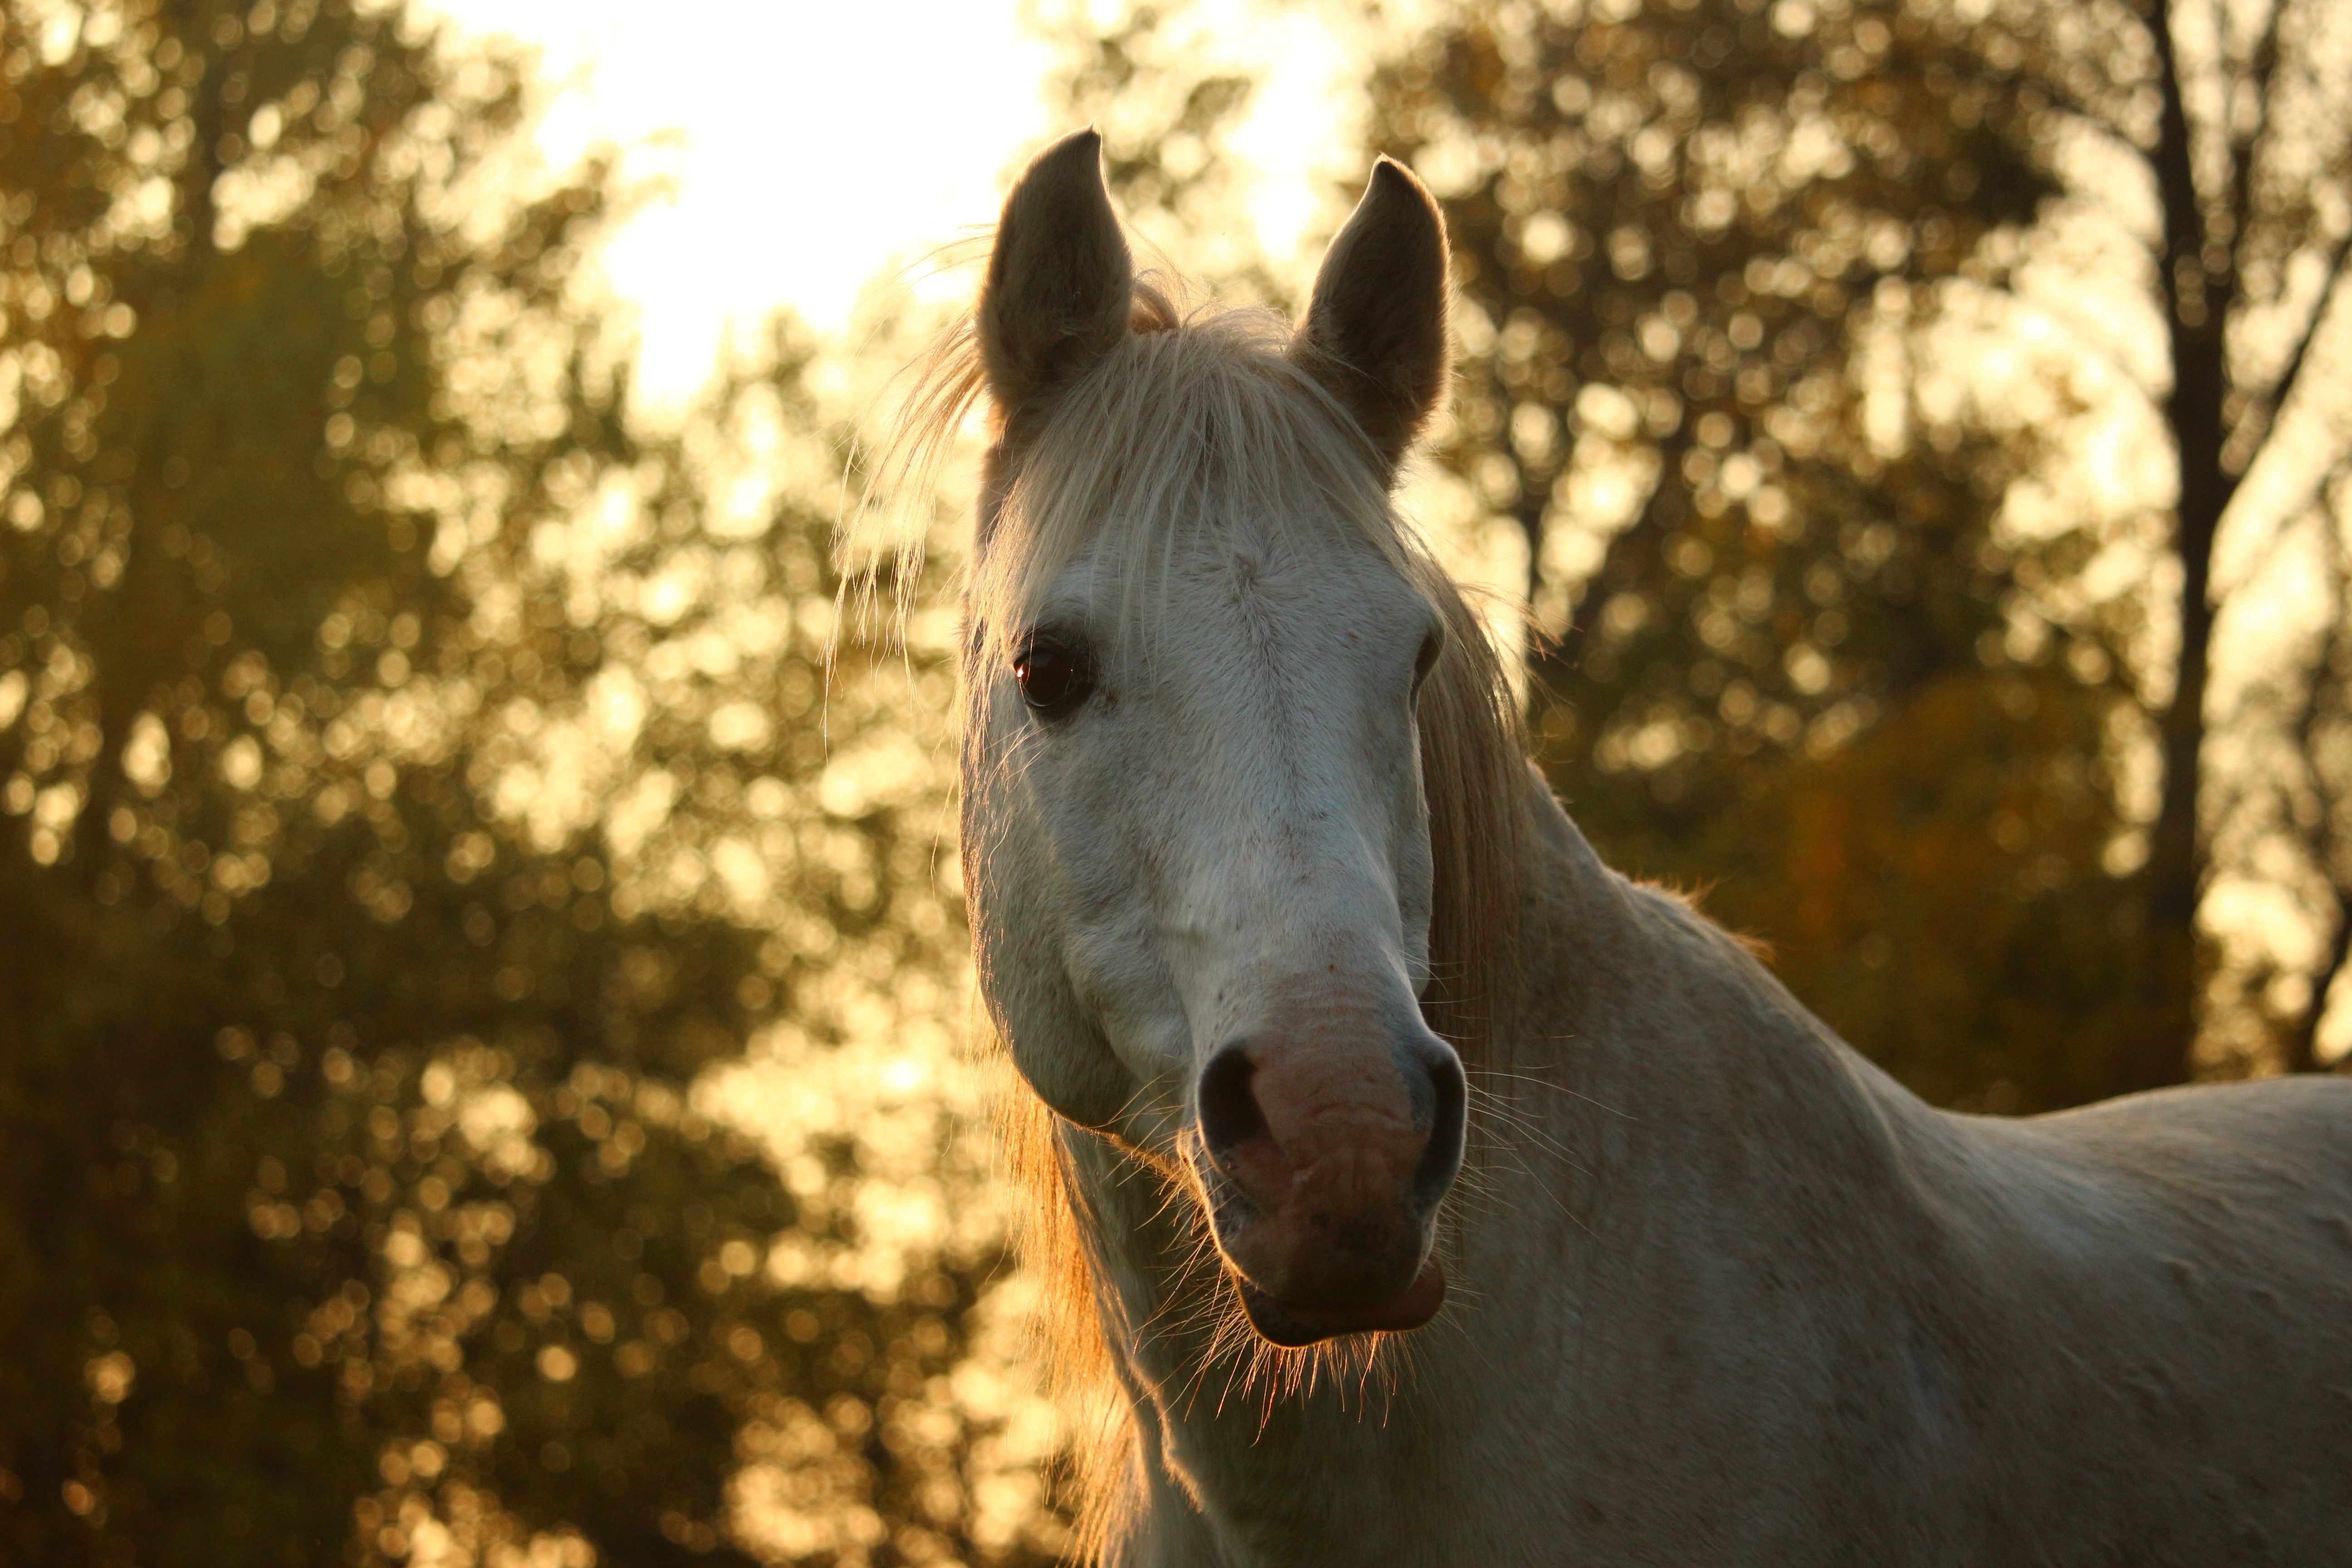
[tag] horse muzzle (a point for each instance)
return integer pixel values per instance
(1323, 1154)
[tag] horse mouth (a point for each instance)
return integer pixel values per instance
(1292, 1325)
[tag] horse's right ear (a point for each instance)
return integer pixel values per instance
(1059, 280)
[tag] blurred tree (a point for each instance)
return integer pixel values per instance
(2234, 116)
(1164, 118)
(413, 792)
(2318, 788)
(1167, 89)
(2286, 804)
(1792, 649)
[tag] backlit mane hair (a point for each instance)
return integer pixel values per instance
(1202, 418)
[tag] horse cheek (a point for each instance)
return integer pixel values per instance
(1017, 950)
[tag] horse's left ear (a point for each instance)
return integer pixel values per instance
(1375, 329)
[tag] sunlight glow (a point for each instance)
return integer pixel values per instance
(821, 147)
(815, 146)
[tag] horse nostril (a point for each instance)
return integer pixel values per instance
(1441, 1157)
(1229, 1116)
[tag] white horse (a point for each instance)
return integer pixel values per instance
(1345, 1032)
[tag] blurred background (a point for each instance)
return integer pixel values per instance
(481, 970)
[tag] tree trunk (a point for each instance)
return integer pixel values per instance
(2197, 304)
(145, 624)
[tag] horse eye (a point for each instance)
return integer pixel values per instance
(1057, 673)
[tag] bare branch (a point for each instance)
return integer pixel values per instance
(2176, 178)
(2302, 1042)
(2294, 363)
(2244, 151)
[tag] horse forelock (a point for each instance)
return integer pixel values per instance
(1201, 418)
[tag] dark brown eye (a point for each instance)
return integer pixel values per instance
(1057, 673)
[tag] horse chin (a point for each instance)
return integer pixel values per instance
(1292, 1325)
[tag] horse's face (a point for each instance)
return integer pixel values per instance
(1208, 831)
(1196, 839)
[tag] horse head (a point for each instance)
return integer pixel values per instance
(1198, 660)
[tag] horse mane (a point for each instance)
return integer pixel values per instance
(1204, 414)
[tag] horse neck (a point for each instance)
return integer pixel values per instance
(1643, 1060)
(1626, 996)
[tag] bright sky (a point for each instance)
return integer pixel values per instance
(813, 143)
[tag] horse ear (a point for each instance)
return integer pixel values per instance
(1375, 329)
(1056, 300)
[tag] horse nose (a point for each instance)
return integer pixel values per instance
(1241, 1141)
